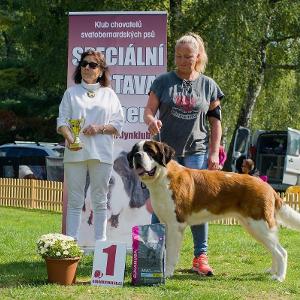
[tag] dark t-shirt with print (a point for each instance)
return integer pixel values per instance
(182, 110)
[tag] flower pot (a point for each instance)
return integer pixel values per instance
(62, 270)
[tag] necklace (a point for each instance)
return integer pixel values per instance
(90, 93)
(187, 85)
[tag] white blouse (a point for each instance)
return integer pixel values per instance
(104, 108)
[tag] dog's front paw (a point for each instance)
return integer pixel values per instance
(278, 278)
(169, 272)
(270, 271)
(168, 275)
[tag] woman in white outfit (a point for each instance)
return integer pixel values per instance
(93, 99)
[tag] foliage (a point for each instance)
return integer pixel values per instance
(270, 114)
(250, 44)
(56, 245)
(235, 32)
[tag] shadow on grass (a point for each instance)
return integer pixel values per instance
(30, 210)
(35, 273)
(20, 273)
(188, 274)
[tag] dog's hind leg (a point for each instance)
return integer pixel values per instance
(273, 268)
(268, 237)
(174, 238)
(281, 269)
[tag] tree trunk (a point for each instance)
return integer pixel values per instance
(7, 44)
(175, 14)
(174, 19)
(253, 91)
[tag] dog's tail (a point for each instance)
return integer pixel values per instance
(286, 215)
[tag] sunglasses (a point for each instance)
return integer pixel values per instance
(91, 64)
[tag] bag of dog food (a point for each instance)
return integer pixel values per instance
(148, 254)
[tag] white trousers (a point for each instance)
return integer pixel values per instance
(76, 173)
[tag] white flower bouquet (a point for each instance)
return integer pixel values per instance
(56, 245)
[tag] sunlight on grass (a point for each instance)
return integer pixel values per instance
(238, 261)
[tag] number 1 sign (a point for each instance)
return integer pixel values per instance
(109, 263)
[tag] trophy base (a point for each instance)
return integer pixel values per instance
(76, 146)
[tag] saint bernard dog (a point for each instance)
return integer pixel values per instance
(181, 196)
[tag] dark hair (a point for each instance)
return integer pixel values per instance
(104, 79)
(239, 162)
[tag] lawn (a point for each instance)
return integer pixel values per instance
(238, 261)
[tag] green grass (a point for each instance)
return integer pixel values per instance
(238, 261)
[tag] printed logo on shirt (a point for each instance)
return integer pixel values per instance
(187, 104)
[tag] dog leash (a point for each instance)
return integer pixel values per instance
(159, 136)
(156, 137)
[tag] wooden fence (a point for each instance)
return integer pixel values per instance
(48, 195)
(31, 194)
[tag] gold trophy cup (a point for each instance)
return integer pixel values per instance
(75, 126)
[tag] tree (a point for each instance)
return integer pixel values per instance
(33, 65)
(283, 38)
(249, 42)
(253, 49)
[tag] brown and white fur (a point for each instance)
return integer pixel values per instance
(181, 196)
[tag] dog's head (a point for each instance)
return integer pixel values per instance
(146, 157)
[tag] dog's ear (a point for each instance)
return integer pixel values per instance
(169, 153)
(166, 152)
(130, 159)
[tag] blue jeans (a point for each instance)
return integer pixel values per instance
(199, 232)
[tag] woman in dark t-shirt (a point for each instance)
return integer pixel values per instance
(186, 99)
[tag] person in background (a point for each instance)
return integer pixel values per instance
(186, 99)
(93, 99)
(26, 173)
(248, 167)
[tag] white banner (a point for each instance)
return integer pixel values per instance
(134, 44)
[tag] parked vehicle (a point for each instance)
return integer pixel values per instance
(276, 154)
(30, 154)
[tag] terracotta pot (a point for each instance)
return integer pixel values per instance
(62, 270)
